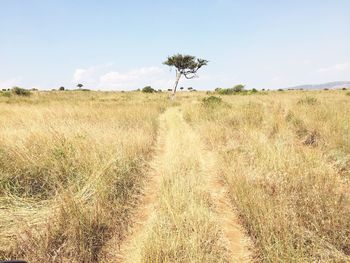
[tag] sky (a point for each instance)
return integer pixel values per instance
(120, 45)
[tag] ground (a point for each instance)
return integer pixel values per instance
(130, 177)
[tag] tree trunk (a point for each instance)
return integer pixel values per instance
(178, 75)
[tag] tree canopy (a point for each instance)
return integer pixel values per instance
(185, 64)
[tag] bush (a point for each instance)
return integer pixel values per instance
(20, 92)
(82, 90)
(238, 88)
(344, 88)
(308, 100)
(280, 90)
(348, 93)
(211, 101)
(148, 89)
(254, 90)
(224, 91)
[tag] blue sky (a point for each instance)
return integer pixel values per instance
(120, 45)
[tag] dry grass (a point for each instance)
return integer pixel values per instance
(183, 225)
(71, 166)
(286, 161)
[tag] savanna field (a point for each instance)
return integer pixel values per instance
(91, 176)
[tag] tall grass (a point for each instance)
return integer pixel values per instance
(287, 166)
(183, 225)
(71, 167)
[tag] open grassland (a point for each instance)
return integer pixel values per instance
(71, 167)
(75, 165)
(286, 160)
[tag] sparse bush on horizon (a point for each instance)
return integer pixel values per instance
(148, 89)
(20, 91)
(230, 91)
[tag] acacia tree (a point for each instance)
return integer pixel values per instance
(185, 65)
(80, 85)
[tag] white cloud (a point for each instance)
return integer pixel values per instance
(336, 68)
(137, 78)
(102, 77)
(90, 76)
(9, 83)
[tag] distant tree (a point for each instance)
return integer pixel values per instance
(344, 88)
(148, 89)
(185, 65)
(254, 90)
(20, 92)
(181, 88)
(80, 85)
(190, 88)
(170, 90)
(159, 90)
(61, 88)
(280, 90)
(238, 88)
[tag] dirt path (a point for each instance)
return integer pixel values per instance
(176, 136)
(237, 241)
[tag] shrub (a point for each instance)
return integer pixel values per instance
(254, 90)
(308, 100)
(280, 90)
(224, 91)
(148, 89)
(344, 88)
(20, 92)
(238, 88)
(82, 89)
(211, 101)
(348, 93)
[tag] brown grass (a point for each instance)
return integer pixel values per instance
(286, 165)
(73, 166)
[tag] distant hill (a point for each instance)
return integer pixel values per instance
(329, 85)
